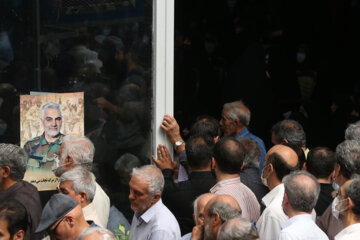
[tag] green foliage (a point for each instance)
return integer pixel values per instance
(121, 233)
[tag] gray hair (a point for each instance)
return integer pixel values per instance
(127, 162)
(50, 105)
(353, 191)
(81, 150)
(15, 157)
(252, 152)
(237, 229)
(83, 181)
(302, 194)
(152, 176)
(348, 157)
(105, 233)
(237, 113)
(352, 132)
(290, 130)
(225, 211)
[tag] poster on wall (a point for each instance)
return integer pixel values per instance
(44, 121)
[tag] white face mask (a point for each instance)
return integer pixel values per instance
(337, 207)
(264, 180)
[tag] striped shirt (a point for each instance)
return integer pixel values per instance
(244, 196)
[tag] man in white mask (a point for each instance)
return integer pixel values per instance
(280, 160)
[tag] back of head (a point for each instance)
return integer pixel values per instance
(81, 150)
(289, 130)
(14, 213)
(302, 189)
(229, 155)
(97, 233)
(321, 162)
(127, 162)
(252, 152)
(224, 205)
(299, 152)
(152, 176)
(14, 157)
(348, 157)
(238, 112)
(83, 181)
(206, 125)
(352, 132)
(237, 229)
(353, 191)
(199, 151)
(281, 166)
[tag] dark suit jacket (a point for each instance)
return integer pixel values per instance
(178, 197)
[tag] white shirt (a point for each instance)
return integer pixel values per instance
(186, 236)
(157, 223)
(101, 204)
(351, 232)
(270, 221)
(301, 227)
(90, 214)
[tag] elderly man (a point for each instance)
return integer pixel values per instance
(97, 233)
(280, 161)
(249, 174)
(178, 197)
(62, 218)
(348, 163)
(218, 210)
(301, 193)
(228, 160)
(199, 208)
(348, 210)
(238, 229)
(235, 119)
(321, 163)
(42, 150)
(79, 152)
(79, 184)
(152, 219)
(13, 161)
(13, 220)
(352, 132)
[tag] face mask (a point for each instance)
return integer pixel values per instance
(56, 164)
(300, 57)
(264, 180)
(335, 185)
(337, 207)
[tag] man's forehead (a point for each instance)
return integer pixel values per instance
(51, 112)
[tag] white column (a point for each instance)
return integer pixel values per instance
(163, 68)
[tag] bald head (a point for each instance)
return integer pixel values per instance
(285, 152)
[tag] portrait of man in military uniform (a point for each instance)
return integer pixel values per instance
(42, 128)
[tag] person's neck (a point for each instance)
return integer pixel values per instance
(292, 213)
(239, 129)
(273, 183)
(349, 219)
(223, 176)
(51, 139)
(82, 226)
(206, 169)
(6, 184)
(324, 180)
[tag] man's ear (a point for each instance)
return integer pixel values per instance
(213, 163)
(304, 167)
(68, 161)
(83, 196)
(155, 198)
(216, 139)
(349, 204)
(70, 220)
(6, 170)
(19, 235)
(216, 220)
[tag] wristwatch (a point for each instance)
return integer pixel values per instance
(178, 144)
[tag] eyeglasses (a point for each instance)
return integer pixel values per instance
(52, 231)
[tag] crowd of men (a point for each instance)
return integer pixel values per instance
(223, 185)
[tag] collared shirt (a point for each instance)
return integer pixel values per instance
(90, 214)
(157, 223)
(41, 151)
(246, 133)
(270, 221)
(101, 204)
(301, 227)
(244, 196)
(351, 232)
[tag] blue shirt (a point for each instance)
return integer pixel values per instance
(245, 133)
(157, 223)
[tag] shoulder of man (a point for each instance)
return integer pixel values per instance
(35, 141)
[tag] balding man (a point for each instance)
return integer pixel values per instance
(152, 219)
(79, 152)
(199, 207)
(301, 193)
(238, 229)
(280, 161)
(218, 210)
(235, 119)
(97, 233)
